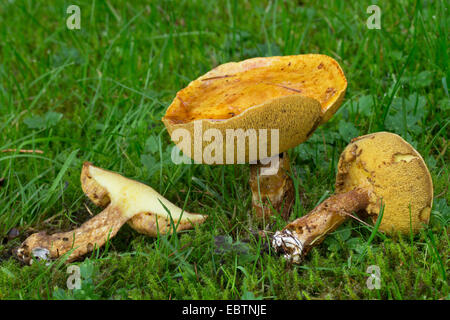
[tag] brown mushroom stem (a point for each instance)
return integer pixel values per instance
(92, 234)
(298, 237)
(274, 192)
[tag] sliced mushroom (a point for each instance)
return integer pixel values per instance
(291, 94)
(124, 199)
(379, 172)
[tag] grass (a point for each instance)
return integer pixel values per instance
(98, 94)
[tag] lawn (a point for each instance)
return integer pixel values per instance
(98, 94)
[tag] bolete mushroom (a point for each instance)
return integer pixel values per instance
(378, 172)
(239, 102)
(125, 200)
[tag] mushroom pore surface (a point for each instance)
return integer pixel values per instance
(394, 174)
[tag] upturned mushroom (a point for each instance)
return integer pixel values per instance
(378, 172)
(260, 108)
(125, 200)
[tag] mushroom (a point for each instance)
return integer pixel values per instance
(378, 172)
(239, 102)
(125, 200)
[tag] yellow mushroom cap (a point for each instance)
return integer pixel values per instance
(395, 175)
(293, 94)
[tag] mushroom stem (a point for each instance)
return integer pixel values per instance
(93, 233)
(272, 192)
(298, 237)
